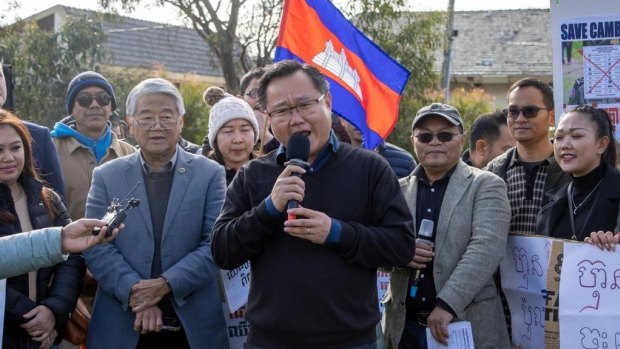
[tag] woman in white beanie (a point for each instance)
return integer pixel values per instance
(233, 130)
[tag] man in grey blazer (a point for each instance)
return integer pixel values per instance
(158, 285)
(467, 216)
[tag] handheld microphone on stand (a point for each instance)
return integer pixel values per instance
(425, 235)
(297, 152)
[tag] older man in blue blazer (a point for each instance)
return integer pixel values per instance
(158, 286)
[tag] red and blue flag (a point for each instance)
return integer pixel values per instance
(365, 82)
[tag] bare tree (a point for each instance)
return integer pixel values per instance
(217, 21)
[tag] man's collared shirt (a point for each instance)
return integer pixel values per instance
(167, 167)
(526, 184)
(429, 199)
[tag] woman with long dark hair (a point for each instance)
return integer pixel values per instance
(39, 303)
(589, 204)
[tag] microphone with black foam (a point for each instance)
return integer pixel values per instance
(297, 152)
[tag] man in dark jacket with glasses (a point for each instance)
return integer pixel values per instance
(529, 169)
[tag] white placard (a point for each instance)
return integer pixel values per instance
(589, 298)
(237, 326)
(237, 286)
(524, 281)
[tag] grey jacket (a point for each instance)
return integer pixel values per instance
(470, 243)
(24, 252)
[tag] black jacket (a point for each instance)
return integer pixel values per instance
(58, 286)
(556, 178)
(603, 210)
(401, 162)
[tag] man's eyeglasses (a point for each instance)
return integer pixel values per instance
(253, 93)
(303, 108)
(85, 100)
(529, 112)
(150, 122)
(443, 137)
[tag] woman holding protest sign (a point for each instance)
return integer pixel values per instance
(586, 209)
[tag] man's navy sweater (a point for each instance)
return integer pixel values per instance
(305, 295)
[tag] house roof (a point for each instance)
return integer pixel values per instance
(501, 43)
(135, 43)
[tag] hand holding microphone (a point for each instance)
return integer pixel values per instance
(423, 245)
(289, 186)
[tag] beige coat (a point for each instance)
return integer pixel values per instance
(470, 243)
(77, 163)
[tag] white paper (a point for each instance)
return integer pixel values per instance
(460, 337)
(383, 281)
(237, 327)
(589, 298)
(524, 281)
(237, 286)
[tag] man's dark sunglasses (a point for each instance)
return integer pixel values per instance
(85, 100)
(529, 112)
(443, 137)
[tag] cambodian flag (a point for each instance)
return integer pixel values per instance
(365, 82)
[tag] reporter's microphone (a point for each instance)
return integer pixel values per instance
(425, 235)
(297, 151)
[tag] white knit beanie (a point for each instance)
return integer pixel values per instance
(225, 109)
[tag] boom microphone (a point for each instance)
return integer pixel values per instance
(297, 152)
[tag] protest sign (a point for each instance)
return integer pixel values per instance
(589, 299)
(524, 281)
(586, 55)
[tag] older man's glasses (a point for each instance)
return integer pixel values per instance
(253, 93)
(85, 100)
(427, 137)
(303, 108)
(164, 122)
(529, 112)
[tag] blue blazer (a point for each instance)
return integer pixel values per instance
(195, 200)
(46, 158)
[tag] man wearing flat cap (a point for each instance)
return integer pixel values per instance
(466, 215)
(85, 139)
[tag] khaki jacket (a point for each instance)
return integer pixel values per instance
(470, 243)
(77, 163)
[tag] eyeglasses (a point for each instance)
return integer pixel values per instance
(303, 108)
(529, 112)
(443, 137)
(85, 100)
(253, 93)
(150, 122)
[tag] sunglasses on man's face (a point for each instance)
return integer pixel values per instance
(529, 112)
(427, 137)
(85, 100)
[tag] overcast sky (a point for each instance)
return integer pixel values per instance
(169, 14)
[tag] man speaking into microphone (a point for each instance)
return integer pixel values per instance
(313, 277)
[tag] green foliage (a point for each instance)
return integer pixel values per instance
(469, 102)
(411, 38)
(196, 111)
(44, 63)
(123, 80)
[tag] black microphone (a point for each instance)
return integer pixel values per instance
(297, 152)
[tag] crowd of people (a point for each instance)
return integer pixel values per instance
(313, 284)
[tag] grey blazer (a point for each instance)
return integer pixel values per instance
(195, 201)
(470, 243)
